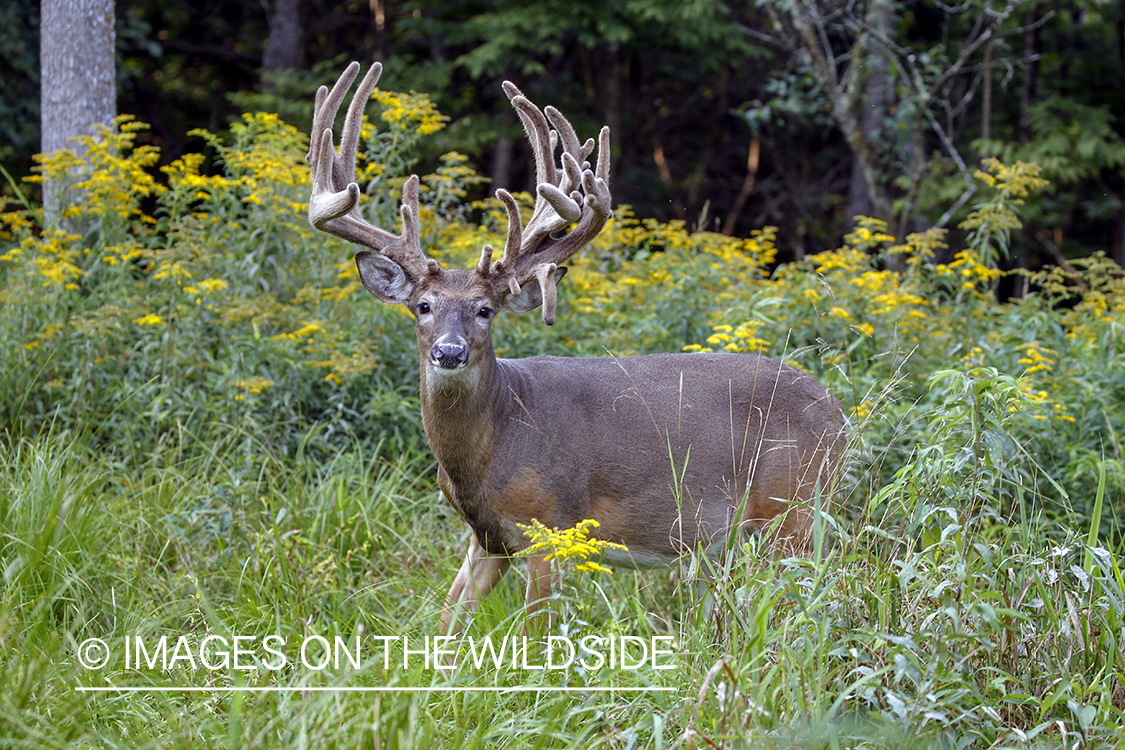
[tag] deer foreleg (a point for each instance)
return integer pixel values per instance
(538, 596)
(479, 572)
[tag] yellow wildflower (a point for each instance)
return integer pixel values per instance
(1034, 360)
(252, 386)
(569, 545)
(863, 409)
(414, 112)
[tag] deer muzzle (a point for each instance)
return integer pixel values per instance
(449, 355)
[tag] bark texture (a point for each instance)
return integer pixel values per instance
(77, 68)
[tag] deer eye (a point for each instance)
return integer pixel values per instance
(485, 312)
(423, 308)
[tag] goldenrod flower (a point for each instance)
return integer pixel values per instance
(569, 545)
(253, 386)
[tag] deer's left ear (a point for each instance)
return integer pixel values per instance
(531, 293)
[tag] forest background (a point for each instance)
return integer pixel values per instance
(729, 116)
(208, 428)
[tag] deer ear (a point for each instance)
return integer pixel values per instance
(383, 277)
(531, 295)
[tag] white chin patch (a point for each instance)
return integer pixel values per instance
(462, 376)
(438, 371)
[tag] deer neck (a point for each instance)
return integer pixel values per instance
(459, 414)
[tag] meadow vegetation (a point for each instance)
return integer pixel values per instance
(207, 428)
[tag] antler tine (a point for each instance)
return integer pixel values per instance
(570, 194)
(601, 171)
(587, 149)
(569, 138)
(538, 133)
(515, 228)
(353, 120)
(543, 140)
(334, 202)
(324, 113)
(317, 126)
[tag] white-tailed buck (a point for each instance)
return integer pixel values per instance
(666, 451)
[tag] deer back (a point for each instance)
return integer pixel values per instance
(665, 451)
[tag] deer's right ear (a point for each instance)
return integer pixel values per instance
(531, 294)
(383, 277)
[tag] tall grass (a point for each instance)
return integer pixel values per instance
(955, 628)
(208, 432)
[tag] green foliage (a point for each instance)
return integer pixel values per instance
(668, 76)
(134, 327)
(288, 92)
(1071, 142)
(19, 69)
(521, 35)
(209, 430)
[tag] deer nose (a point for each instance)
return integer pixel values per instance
(449, 354)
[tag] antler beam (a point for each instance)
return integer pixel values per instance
(567, 194)
(334, 203)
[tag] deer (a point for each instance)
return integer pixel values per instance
(669, 452)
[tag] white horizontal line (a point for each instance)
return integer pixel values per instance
(312, 689)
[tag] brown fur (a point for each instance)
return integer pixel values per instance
(661, 450)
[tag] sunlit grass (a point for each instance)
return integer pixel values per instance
(954, 626)
(208, 431)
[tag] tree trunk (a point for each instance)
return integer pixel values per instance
(77, 79)
(986, 96)
(1119, 46)
(284, 46)
(501, 172)
(859, 198)
(752, 162)
(871, 80)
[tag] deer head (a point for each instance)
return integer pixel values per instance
(569, 194)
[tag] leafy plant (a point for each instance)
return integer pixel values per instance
(208, 429)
